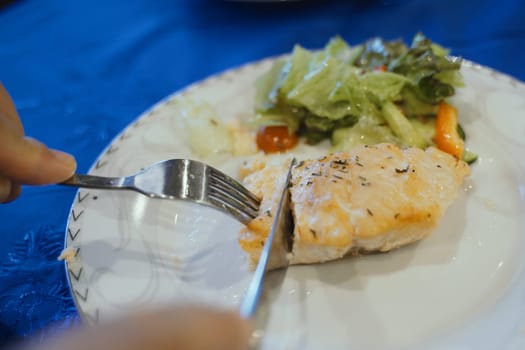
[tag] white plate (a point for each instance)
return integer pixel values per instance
(461, 288)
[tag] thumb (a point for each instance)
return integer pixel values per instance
(192, 328)
(183, 328)
(28, 161)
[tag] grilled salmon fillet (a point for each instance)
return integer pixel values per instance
(373, 198)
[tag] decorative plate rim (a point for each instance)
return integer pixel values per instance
(110, 148)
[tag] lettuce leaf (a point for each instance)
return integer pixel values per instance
(377, 53)
(367, 131)
(426, 65)
(266, 87)
(384, 85)
(329, 91)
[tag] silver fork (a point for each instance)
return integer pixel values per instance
(182, 179)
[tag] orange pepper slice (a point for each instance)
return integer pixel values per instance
(447, 137)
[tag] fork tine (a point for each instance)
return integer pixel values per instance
(232, 194)
(234, 188)
(230, 182)
(226, 197)
(239, 211)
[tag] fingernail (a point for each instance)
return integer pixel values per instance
(65, 158)
(5, 188)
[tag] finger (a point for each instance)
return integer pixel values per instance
(190, 328)
(28, 161)
(8, 109)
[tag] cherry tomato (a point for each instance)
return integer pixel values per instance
(273, 139)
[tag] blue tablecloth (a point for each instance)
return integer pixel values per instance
(80, 71)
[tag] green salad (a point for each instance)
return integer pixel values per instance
(378, 91)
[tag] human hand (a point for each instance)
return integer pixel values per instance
(182, 328)
(24, 160)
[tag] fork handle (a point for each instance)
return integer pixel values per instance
(100, 182)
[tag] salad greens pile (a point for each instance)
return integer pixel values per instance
(379, 91)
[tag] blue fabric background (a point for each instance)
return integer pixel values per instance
(80, 71)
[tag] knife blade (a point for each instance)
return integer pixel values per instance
(281, 227)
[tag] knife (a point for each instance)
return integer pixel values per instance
(281, 227)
